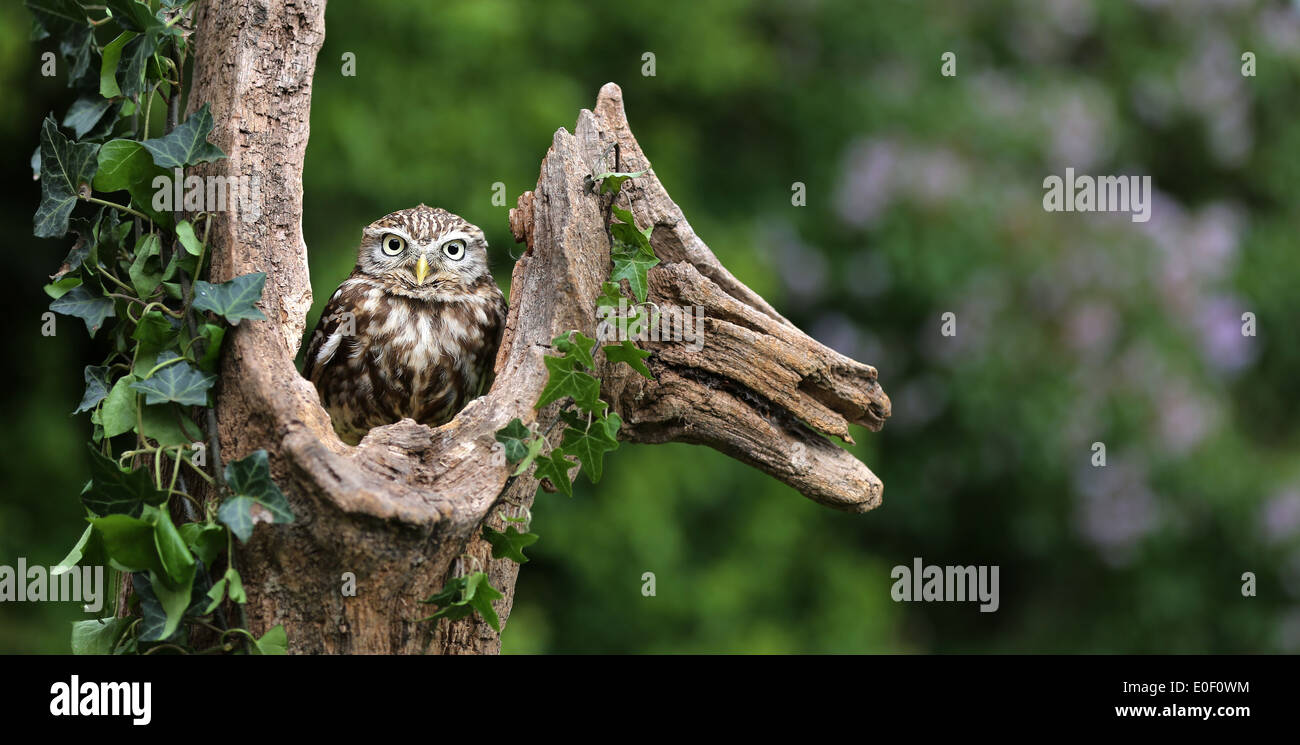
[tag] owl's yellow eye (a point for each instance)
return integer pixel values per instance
(392, 244)
(455, 250)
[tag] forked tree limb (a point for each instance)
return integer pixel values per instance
(403, 509)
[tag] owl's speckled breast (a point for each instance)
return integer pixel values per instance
(408, 358)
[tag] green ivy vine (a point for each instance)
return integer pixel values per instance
(589, 430)
(134, 273)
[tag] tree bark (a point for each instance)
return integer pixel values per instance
(402, 510)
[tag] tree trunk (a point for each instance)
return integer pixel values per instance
(404, 508)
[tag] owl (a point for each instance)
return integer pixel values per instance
(413, 331)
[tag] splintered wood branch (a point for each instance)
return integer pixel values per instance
(752, 385)
(402, 511)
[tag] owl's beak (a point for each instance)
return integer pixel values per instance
(421, 271)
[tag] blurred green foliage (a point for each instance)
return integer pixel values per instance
(924, 197)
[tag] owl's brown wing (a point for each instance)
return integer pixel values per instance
(495, 330)
(336, 328)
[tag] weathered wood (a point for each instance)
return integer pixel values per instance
(398, 510)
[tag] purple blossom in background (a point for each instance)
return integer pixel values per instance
(839, 333)
(1116, 509)
(1218, 323)
(1186, 416)
(1211, 85)
(918, 402)
(1090, 328)
(867, 275)
(1212, 240)
(867, 184)
(1078, 128)
(802, 267)
(878, 172)
(936, 176)
(997, 95)
(1279, 517)
(1280, 28)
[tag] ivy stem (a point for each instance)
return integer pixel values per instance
(119, 283)
(199, 471)
(117, 206)
(162, 307)
(161, 365)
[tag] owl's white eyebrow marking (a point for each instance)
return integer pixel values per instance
(381, 232)
(455, 235)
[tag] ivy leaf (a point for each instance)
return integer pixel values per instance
(627, 232)
(185, 232)
(567, 380)
(98, 635)
(480, 593)
(233, 300)
(180, 382)
(128, 542)
(589, 443)
(251, 477)
(124, 164)
(556, 468)
(510, 544)
(216, 594)
(180, 261)
(118, 414)
(449, 595)
(612, 181)
(65, 167)
(256, 497)
(112, 491)
(273, 642)
(206, 541)
(136, 53)
(230, 585)
(579, 349)
(61, 287)
(610, 295)
(521, 444)
(161, 605)
(177, 562)
(633, 264)
(153, 619)
(146, 270)
(464, 595)
(237, 514)
(88, 551)
(631, 354)
(96, 387)
(109, 58)
(166, 425)
(58, 16)
(212, 335)
(85, 113)
(75, 47)
(131, 15)
(79, 302)
(187, 144)
(236, 591)
(156, 330)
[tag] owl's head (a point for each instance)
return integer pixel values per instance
(424, 252)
